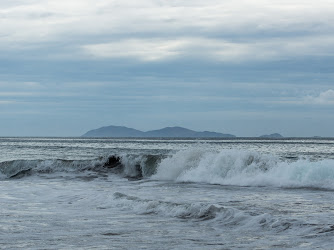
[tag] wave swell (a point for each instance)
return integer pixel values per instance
(225, 218)
(226, 167)
(131, 166)
(170, 209)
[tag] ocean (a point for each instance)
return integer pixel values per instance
(89, 193)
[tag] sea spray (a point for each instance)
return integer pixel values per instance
(199, 165)
(245, 168)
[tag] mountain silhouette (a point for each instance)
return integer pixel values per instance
(168, 132)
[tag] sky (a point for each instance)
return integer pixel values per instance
(244, 67)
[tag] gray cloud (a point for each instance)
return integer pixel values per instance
(86, 63)
(324, 98)
(154, 30)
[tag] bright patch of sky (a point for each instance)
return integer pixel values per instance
(245, 67)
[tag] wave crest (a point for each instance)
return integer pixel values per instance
(245, 168)
(133, 166)
(227, 167)
(171, 209)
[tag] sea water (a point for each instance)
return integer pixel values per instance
(75, 193)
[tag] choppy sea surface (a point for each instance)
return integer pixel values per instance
(86, 193)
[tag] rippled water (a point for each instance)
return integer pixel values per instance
(61, 193)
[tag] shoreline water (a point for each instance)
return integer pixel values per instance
(166, 194)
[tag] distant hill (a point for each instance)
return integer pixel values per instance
(274, 136)
(168, 132)
(114, 131)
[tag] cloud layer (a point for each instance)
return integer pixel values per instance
(324, 98)
(158, 30)
(73, 65)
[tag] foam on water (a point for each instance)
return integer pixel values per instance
(171, 209)
(245, 168)
(218, 216)
(47, 202)
(224, 167)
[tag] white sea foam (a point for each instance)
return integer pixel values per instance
(217, 216)
(245, 168)
(225, 167)
(44, 205)
(170, 209)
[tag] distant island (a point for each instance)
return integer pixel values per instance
(168, 132)
(272, 136)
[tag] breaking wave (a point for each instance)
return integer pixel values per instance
(226, 167)
(245, 168)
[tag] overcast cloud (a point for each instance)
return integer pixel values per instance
(241, 67)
